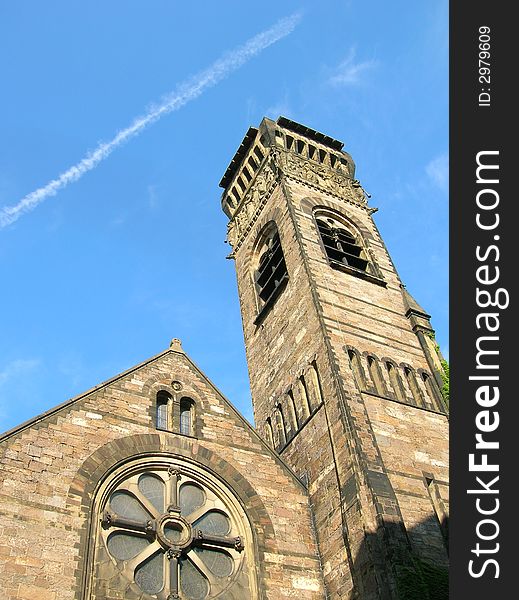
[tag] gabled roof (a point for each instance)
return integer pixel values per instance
(175, 348)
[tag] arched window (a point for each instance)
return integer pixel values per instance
(186, 416)
(163, 410)
(271, 271)
(171, 530)
(395, 381)
(342, 244)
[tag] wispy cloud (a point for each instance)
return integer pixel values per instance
(349, 72)
(17, 368)
(438, 171)
(184, 93)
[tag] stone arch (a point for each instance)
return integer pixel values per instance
(432, 391)
(375, 373)
(292, 415)
(313, 385)
(268, 270)
(310, 205)
(356, 367)
(281, 428)
(395, 378)
(100, 465)
(274, 215)
(413, 386)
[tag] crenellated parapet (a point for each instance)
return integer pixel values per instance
(278, 150)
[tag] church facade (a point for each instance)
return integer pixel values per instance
(152, 486)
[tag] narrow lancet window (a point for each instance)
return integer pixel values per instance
(186, 416)
(162, 410)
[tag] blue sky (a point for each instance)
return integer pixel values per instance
(100, 276)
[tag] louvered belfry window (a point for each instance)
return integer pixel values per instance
(341, 245)
(272, 270)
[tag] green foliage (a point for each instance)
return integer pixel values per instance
(445, 370)
(423, 581)
(445, 377)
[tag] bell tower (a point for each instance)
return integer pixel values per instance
(345, 374)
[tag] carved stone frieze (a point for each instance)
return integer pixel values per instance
(331, 180)
(334, 181)
(253, 200)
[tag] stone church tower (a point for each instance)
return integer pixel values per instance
(151, 486)
(344, 372)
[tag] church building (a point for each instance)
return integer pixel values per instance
(151, 486)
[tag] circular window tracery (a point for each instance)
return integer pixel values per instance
(173, 534)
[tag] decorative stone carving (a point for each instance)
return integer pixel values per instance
(253, 200)
(331, 180)
(232, 234)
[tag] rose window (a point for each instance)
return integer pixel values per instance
(172, 535)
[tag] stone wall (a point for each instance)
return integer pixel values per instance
(52, 466)
(363, 515)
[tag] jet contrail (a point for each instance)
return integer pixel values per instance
(184, 93)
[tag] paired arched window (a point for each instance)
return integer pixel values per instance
(271, 270)
(177, 416)
(342, 244)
